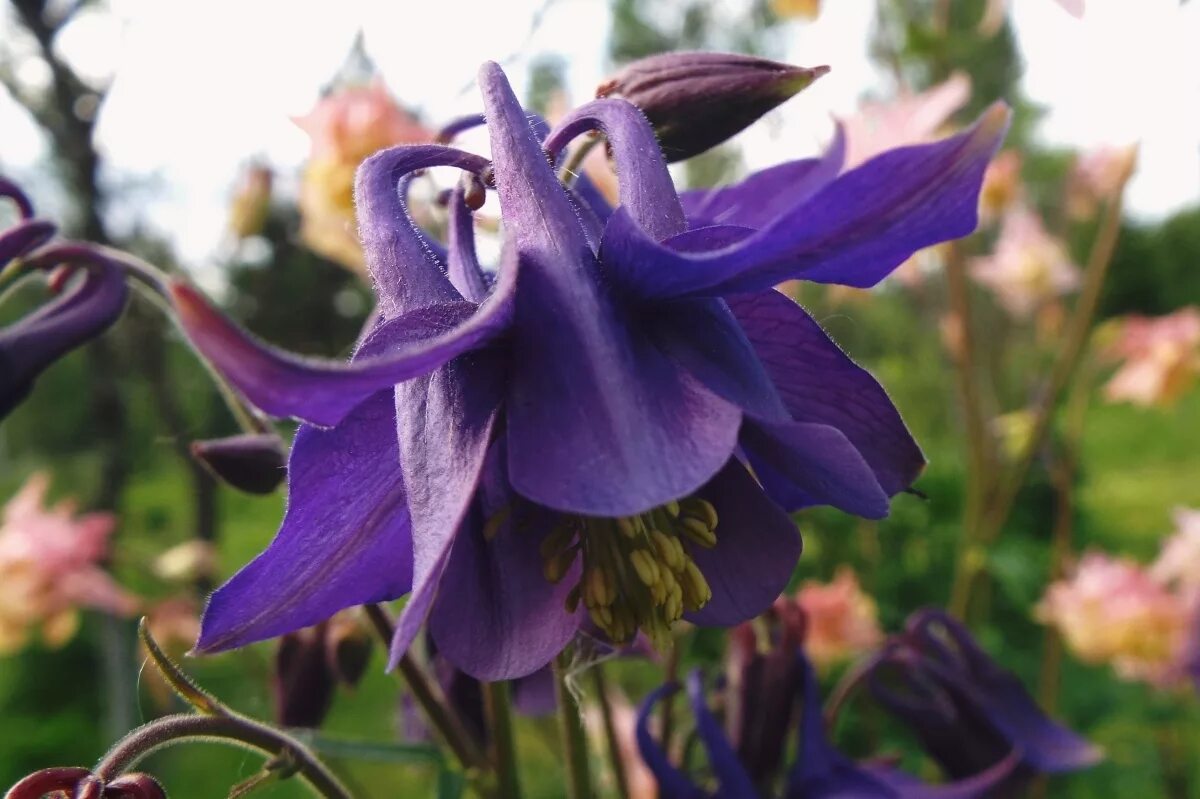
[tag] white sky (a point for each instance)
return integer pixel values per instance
(202, 86)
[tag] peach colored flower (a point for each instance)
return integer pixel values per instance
(1098, 176)
(48, 568)
(841, 622)
(1028, 267)
(802, 9)
(1111, 610)
(903, 120)
(1178, 562)
(1001, 185)
(994, 13)
(346, 126)
(251, 202)
(1161, 358)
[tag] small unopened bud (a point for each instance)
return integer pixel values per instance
(48, 781)
(134, 786)
(695, 100)
(303, 680)
(348, 647)
(253, 463)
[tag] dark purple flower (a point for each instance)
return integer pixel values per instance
(697, 100)
(253, 462)
(82, 310)
(571, 432)
(968, 712)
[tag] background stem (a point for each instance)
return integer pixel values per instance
(498, 704)
(579, 782)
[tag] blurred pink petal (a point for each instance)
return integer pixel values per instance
(1160, 358)
(1178, 561)
(49, 567)
(993, 15)
(841, 622)
(1111, 610)
(1097, 176)
(1028, 267)
(902, 121)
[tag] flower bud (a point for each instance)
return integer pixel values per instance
(303, 680)
(48, 780)
(348, 648)
(134, 786)
(252, 463)
(697, 100)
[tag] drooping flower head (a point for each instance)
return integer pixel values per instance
(841, 620)
(1028, 267)
(49, 568)
(570, 434)
(1160, 358)
(1112, 610)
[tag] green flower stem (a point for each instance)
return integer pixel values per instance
(430, 698)
(579, 782)
(667, 713)
(610, 731)
(574, 163)
(498, 704)
(234, 729)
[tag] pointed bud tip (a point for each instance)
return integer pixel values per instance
(253, 463)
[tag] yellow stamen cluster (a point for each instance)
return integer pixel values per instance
(637, 574)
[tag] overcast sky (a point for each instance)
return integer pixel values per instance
(203, 86)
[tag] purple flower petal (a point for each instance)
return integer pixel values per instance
(463, 267)
(854, 232)
(734, 782)
(599, 421)
(24, 237)
(703, 336)
(445, 421)
(645, 184)
(804, 463)
(406, 274)
(757, 549)
(345, 540)
(322, 391)
(534, 695)
(819, 383)
(30, 345)
(672, 783)
(766, 195)
(503, 619)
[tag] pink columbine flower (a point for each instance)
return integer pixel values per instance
(48, 568)
(1111, 610)
(1161, 358)
(1098, 176)
(1178, 561)
(1028, 267)
(1001, 185)
(904, 120)
(842, 621)
(346, 126)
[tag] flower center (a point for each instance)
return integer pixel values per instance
(637, 575)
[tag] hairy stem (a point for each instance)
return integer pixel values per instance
(610, 731)
(579, 781)
(498, 704)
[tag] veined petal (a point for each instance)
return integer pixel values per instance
(804, 463)
(600, 422)
(766, 195)
(345, 539)
(734, 782)
(445, 422)
(819, 383)
(672, 783)
(406, 274)
(854, 232)
(30, 345)
(757, 549)
(323, 391)
(504, 619)
(703, 336)
(645, 184)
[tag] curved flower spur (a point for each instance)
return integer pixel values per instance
(579, 437)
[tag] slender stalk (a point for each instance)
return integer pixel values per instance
(443, 717)
(610, 731)
(238, 730)
(497, 701)
(667, 713)
(579, 781)
(574, 163)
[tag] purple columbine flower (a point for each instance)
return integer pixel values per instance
(967, 711)
(572, 435)
(84, 309)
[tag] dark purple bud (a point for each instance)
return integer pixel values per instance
(764, 680)
(134, 786)
(303, 681)
(254, 463)
(48, 780)
(968, 712)
(698, 100)
(348, 646)
(79, 314)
